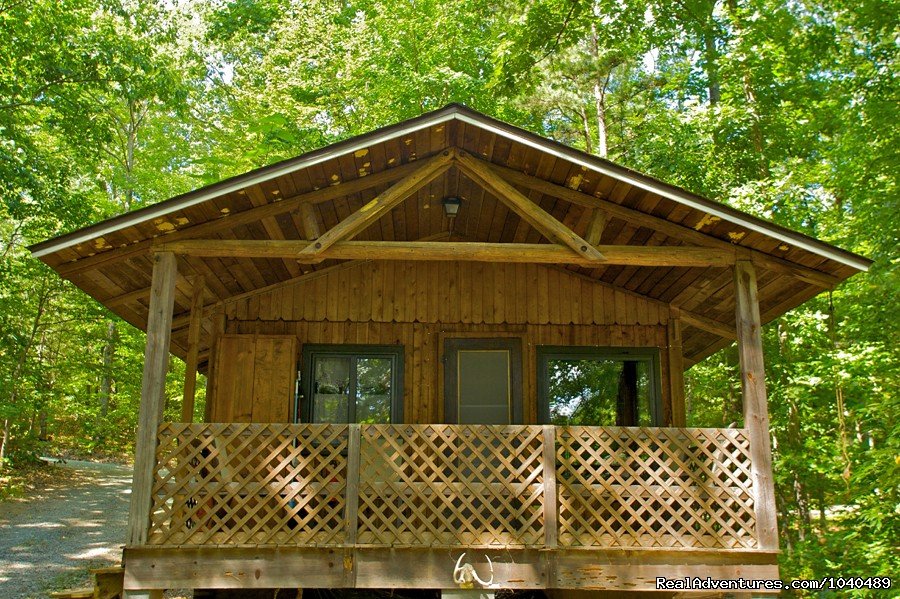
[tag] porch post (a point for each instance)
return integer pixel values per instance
(753, 389)
(190, 369)
(156, 362)
(678, 411)
(217, 329)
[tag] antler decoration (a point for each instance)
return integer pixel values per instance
(465, 575)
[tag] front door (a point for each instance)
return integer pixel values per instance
(483, 381)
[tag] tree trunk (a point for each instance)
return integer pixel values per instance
(20, 365)
(4, 440)
(756, 134)
(600, 106)
(800, 496)
(626, 397)
(600, 85)
(136, 113)
(823, 521)
(106, 381)
(711, 56)
(839, 394)
(586, 128)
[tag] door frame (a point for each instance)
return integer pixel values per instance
(451, 344)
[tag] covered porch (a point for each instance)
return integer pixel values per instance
(270, 505)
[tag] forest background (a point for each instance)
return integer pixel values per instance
(785, 109)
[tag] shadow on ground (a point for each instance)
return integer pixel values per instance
(52, 536)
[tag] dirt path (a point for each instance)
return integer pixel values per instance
(50, 538)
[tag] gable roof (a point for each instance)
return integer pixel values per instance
(110, 260)
(426, 121)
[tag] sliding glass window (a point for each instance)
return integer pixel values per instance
(352, 384)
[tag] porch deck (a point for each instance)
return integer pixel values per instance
(554, 507)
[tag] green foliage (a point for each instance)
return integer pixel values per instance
(586, 391)
(783, 109)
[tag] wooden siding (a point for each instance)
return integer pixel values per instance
(418, 305)
(450, 292)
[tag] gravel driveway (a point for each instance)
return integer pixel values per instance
(50, 538)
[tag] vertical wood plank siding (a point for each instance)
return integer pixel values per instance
(465, 292)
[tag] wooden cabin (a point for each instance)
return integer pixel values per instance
(447, 354)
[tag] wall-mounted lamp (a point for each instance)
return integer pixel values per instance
(451, 206)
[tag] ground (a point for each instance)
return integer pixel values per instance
(56, 532)
(70, 522)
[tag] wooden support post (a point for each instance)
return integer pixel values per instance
(350, 509)
(193, 349)
(217, 329)
(156, 363)
(676, 369)
(596, 226)
(310, 222)
(550, 499)
(753, 388)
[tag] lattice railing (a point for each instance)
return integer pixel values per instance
(260, 484)
(663, 487)
(451, 486)
(440, 485)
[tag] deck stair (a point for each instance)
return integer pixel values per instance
(108, 583)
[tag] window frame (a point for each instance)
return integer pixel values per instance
(340, 350)
(650, 355)
(450, 360)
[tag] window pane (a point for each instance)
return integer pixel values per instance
(331, 390)
(484, 393)
(598, 392)
(373, 390)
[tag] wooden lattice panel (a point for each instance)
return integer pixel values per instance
(662, 487)
(451, 486)
(260, 484)
(445, 485)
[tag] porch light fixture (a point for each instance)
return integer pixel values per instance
(451, 206)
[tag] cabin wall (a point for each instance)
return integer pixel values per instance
(419, 304)
(450, 292)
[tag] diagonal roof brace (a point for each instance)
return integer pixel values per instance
(533, 214)
(382, 204)
(551, 228)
